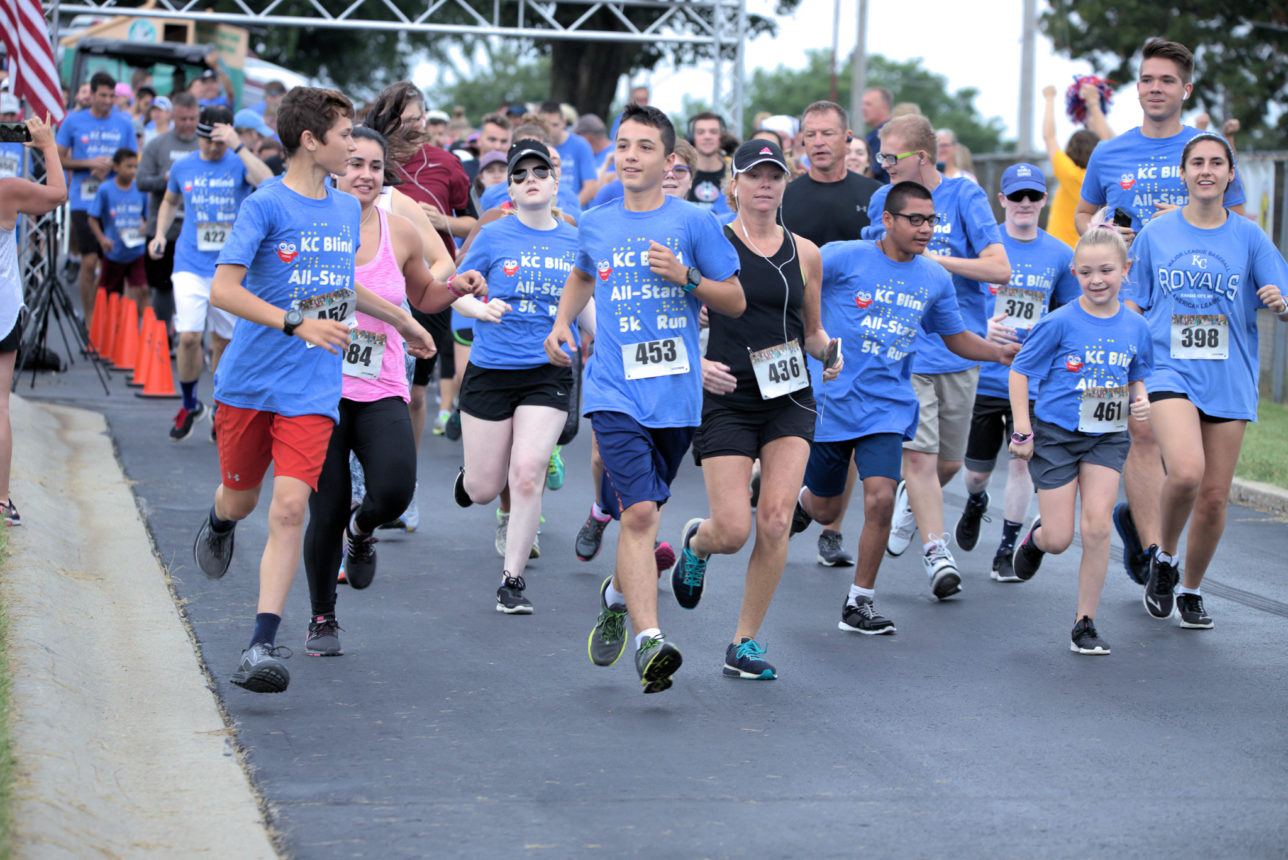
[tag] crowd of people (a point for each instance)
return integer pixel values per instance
(806, 311)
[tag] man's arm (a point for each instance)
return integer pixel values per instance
(153, 172)
(578, 290)
(256, 170)
(724, 297)
(990, 267)
(165, 217)
(227, 293)
(969, 345)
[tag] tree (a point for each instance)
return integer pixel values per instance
(507, 77)
(1241, 52)
(788, 91)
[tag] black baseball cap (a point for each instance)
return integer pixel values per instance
(527, 148)
(211, 117)
(757, 151)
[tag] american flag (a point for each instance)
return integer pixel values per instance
(31, 58)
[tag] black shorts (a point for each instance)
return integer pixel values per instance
(83, 237)
(1155, 396)
(464, 336)
(731, 432)
(439, 326)
(991, 426)
(159, 271)
(493, 395)
(14, 337)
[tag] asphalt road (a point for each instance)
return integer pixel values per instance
(447, 729)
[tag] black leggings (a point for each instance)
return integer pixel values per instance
(379, 433)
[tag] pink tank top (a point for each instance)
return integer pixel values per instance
(375, 366)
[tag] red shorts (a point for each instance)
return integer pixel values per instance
(249, 440)
(113, 274)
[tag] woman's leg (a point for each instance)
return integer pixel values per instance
(6, 429)
(1180, 439)
(536, 429)
(328, 515)
(729, 525)
(1098, 486)
(382, 441)
(1221, 444)
(483, 441)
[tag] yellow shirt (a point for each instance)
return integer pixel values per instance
(1065, 202)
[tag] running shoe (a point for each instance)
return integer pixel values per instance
(261, 669)
(10, 513)
(904, 525)
(462, 498)
(689, 571)
(185, 421)
(1003, 567)
(800, 520)
(860, 616)
(663, 556)
(342, 576)
(212, 550)
(324, 637)
(360, 559)
(1163, 577)
(967, 531)
(555, 471)
(831, 553)
(747, 660)
(656, 661)
(535, 551)
(1135, 557)
(591, 537)
(941, 567)
(755, 488)
(510, 599)
(1193, 616)
(1027, 558)
(607, 640)
(452, 427)
(441, 422)
(1085, 639)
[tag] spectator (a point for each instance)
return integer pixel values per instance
(1070, 164)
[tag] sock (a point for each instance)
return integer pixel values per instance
(354, 531)
(1010, 531)
(857, 591)
(612, 595)
(1183, 590)
(1166, 558)
(599, 513)
(189, 394)
(265, 628)
(645, 635)
(218, 525)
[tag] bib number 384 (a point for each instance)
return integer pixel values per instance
(664, 357)
(779, 370)
(1202, 336)
(1103, 410)
(365, 355)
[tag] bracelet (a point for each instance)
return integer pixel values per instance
(1021, 438)
(452, 289)
(239, 148)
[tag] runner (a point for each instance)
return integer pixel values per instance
(211, 185)
(758, 402)
(649, 262)
(1200, 275)
(116, 218)
(291, 251)
(1092, 357)
(578, 168)
(374, 423)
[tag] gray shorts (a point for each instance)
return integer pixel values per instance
(1057, 453)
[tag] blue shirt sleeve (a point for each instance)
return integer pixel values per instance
(479, 256)
(1142, 363)
(714, 256)
(981, 226)
(100, 203)
(1092, 190)
(1039, 349)
(876, 207)
(248, 232)
(944, 315)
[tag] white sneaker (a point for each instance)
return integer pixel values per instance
(904, 525)
(945, 580)
(411, 516)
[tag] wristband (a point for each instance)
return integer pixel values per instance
(1021, 438)
(239, 148)
(453, 290)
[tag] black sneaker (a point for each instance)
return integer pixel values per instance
(607, 639)
(10, 513)
(185, 420)
(746, 660)
(830, 551)
(458, 490)
(591, 537)
(1193, 616)
(214, 410)
(1135, 556)
(862, 617)
(800, 520)
(261, 670)
(452, 429)
(324, 637)
(1085, 639)
(510, 599)
(967, 531)
(656, 661)
(1003, 568)
(689, 572)
(212, 550)
(755, 489)
(1027, 558)
(359, 558)
(1163, 577)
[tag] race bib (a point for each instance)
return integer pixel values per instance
(664, 357)
(211, 235)
(338, 305)
(8, 165)
(365, 355)
(89, 187)
(1023, 308)
(779, 370)
(131, 237)
(1103, 410)
(1205, 336)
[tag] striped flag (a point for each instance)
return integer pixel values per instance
(31, 58)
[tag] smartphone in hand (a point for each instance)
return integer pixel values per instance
(14, 132)
(832, 354)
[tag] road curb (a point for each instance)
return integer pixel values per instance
(1265, 497)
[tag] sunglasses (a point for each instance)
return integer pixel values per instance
(917, 219)
(1025, 194)
(522, 174)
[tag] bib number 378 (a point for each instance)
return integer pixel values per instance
(664, 357)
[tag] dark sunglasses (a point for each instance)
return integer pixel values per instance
(522, 173)
(917, 219)
(1025, 194)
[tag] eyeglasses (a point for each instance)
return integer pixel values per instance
(917, 219)
(679, 170)
(888, 160)
(522, 174)
(1025, 194)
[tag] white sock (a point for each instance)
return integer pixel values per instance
(645, 635)
(599, 513)
(1166, 558)
(1184, 590)
(857, 591)
(612, 595)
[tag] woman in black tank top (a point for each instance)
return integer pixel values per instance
(757, 403)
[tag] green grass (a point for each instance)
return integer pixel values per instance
(1262, 458)
(6, 741)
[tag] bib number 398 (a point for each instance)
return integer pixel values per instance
(664, 357)
(779, 370)
(1103, 410)
(1203, 336)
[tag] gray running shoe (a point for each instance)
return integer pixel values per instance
(656, 661)
(941, 567)
(212, 550)
(608, 639)
(510, 599)
(261, 670)
(1193, 615)
(185, 421)
(862, 617)
(831, 552)
(1085, 639)
(324, 637)
(590, 537)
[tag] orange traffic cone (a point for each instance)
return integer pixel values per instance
(127, 338)
(143, 355)
(160, 379)
(110, 326)
(98, 321)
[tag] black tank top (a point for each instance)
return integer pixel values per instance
(762, 324)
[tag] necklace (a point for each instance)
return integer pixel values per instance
(363, 222)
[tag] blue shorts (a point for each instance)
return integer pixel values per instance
(639, 462)
(877, 456)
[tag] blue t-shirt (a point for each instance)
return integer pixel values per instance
(87, 136)
(577, 163)
(294, 248)
(1070, 350)
(11, 159)
(878, 308)
(966, 227)
(1041, 265)
(635, 309)
(612, 190)
(1180, 271)
(122, 213)
(526, 269)
(565, 199)
(212, 193)
(1133, 172)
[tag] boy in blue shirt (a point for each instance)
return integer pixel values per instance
(116, 218)
(650, 262)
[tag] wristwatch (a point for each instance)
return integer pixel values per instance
(292, 321)
(1021, 438)
(695, 278)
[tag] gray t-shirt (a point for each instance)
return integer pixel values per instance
(154, 169)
